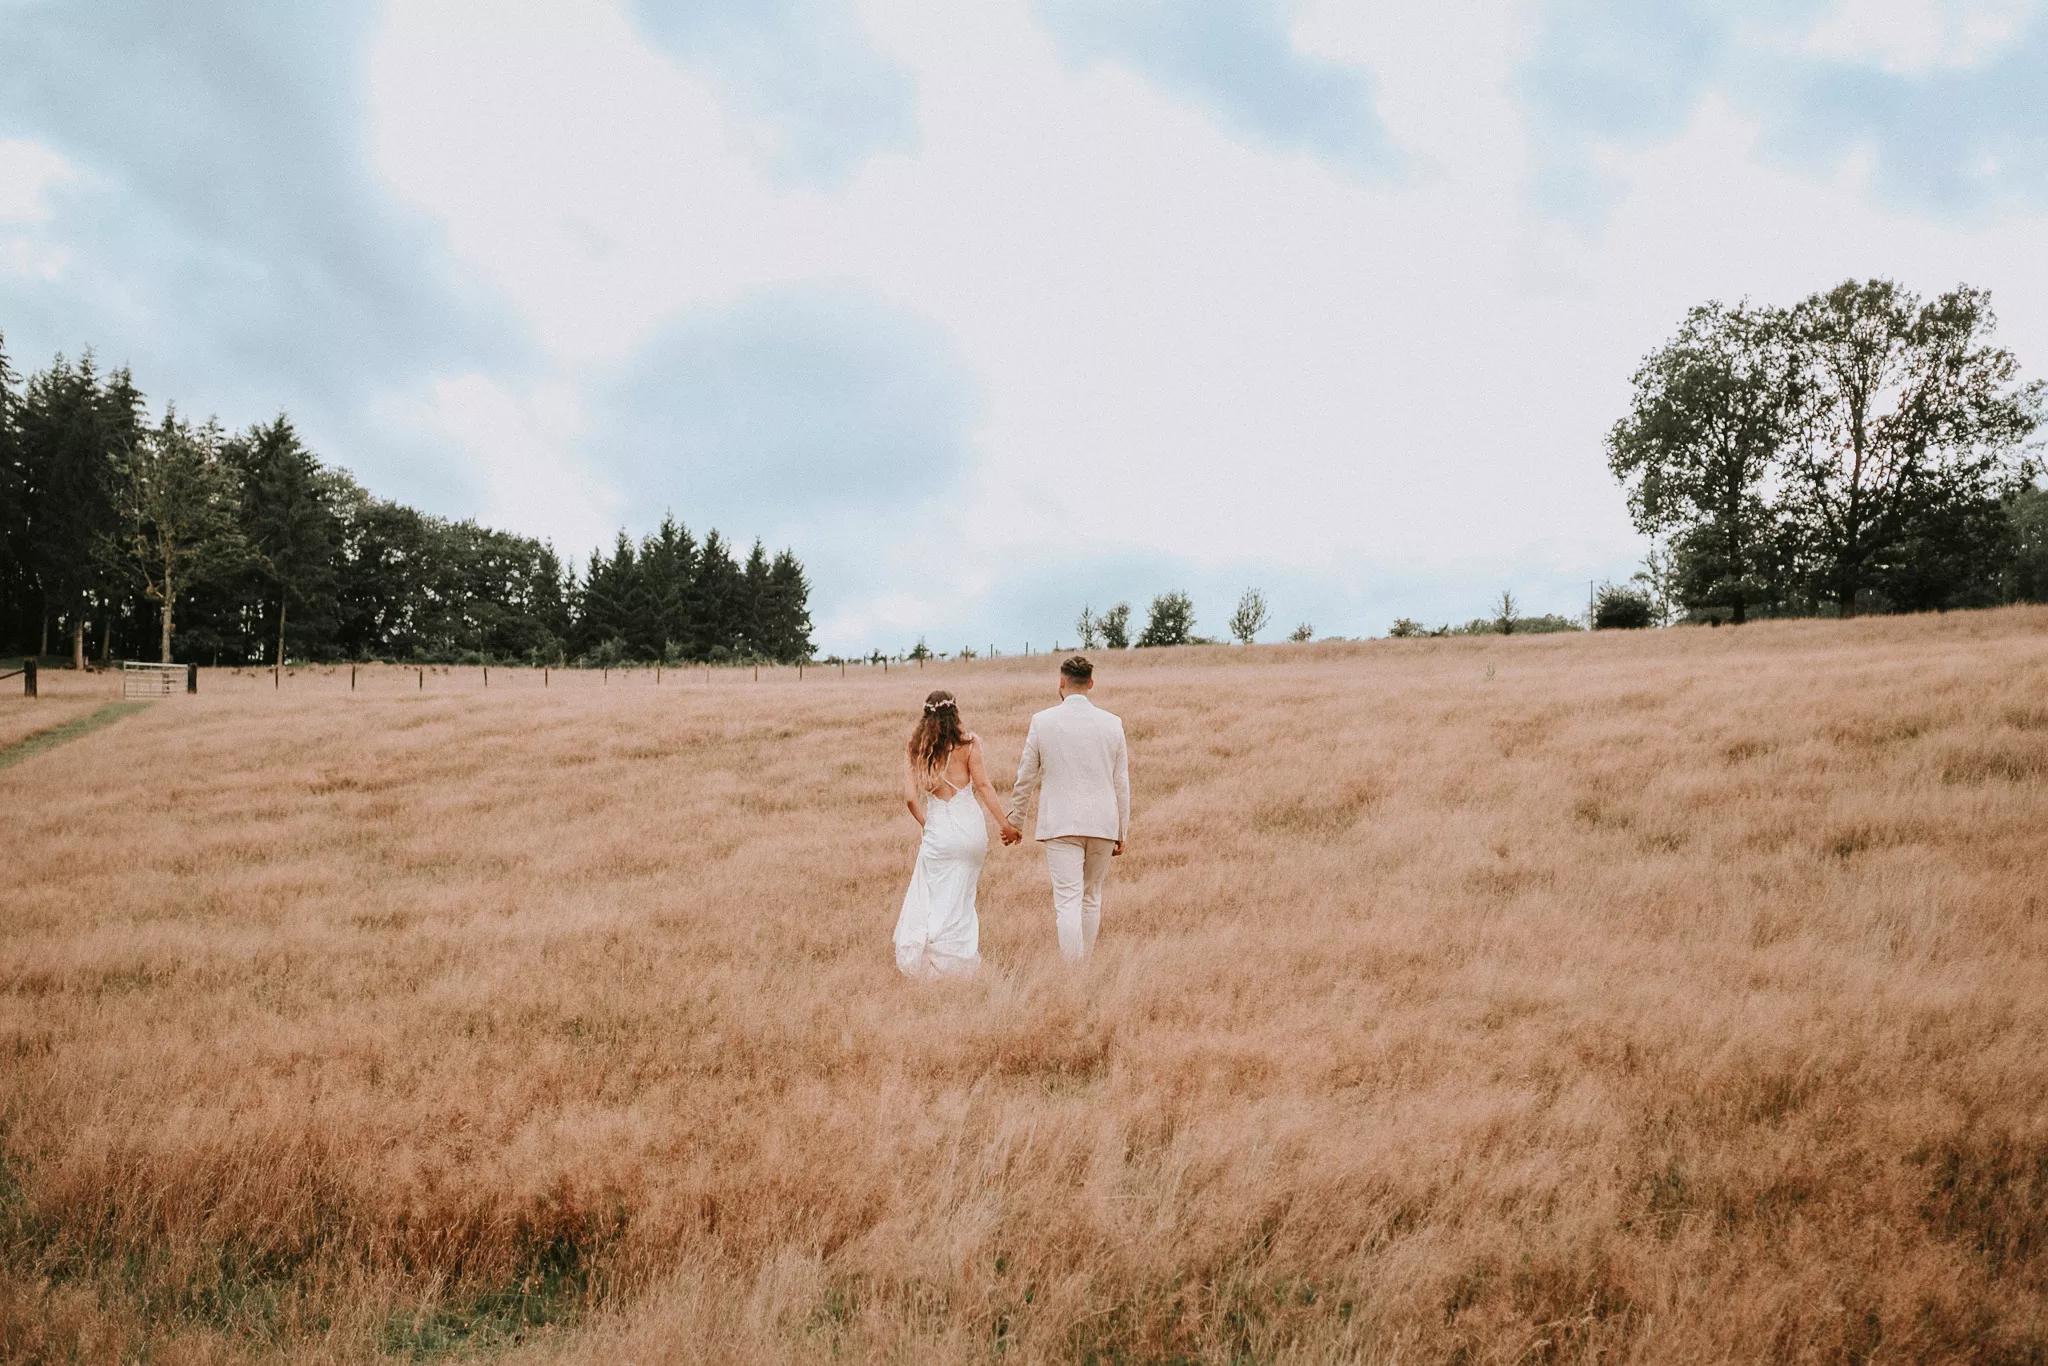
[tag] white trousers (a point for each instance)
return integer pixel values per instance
(1078, 864)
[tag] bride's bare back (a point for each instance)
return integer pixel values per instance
(957, 773)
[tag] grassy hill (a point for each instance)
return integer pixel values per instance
(1669, 996)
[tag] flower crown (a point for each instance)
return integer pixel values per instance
(931, 707)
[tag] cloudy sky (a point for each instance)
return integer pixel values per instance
(990, 309)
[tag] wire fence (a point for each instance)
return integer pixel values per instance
(141, 680)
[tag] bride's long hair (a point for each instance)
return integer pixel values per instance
(938, 731)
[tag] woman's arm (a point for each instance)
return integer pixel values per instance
(913, 795)
(985, 792)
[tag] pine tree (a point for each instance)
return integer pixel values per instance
(606, 597)
(636, 610)
(719, 594)
(668, 564)
(288, 523)
(552, 587)
(789, 617)
(73, 431)
(16, 584)
(757, 608)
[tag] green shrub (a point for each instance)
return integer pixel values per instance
(1622, 609)
(1172, 621)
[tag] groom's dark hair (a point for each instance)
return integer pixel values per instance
(1077, 668)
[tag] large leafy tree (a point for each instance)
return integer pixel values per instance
(501, 594)
(2026, 572)
(1916, 427)
(387, 554)
(177, 513)
(410, 586)
(1698, 452)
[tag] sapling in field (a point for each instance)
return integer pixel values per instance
(1250, 618)
(1115, 625)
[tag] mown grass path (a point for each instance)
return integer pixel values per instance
(32, 745)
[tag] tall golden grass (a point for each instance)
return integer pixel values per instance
(61, 697)
(1674, 996)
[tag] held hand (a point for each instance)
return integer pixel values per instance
(1011, 834)
(1118, 850)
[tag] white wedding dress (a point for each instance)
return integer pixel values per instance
(938, 934)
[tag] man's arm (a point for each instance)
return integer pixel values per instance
(1027, 777)
(1123, 789)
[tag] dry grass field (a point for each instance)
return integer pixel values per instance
(1662, 997)
(64, 697)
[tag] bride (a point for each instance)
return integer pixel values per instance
(943, 777)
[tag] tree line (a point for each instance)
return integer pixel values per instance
(125, 537)
(1170, 620)
(1863, 450)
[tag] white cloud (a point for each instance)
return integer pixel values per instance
(30, 175)
(1908, 37)
(1191, 350)
(1148, 344)
(29, 172)
(520, 449)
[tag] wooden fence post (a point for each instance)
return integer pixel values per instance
(543, 675)
(351, 678)
(423, 680)
(191, 678)
(28, 678)
(487, 675)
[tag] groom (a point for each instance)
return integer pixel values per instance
(1074, 757)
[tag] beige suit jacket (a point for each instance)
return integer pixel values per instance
(1075, 759)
